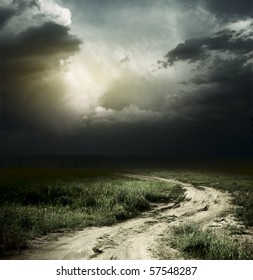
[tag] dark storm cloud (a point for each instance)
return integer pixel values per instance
(177, 139)
(31, 85)
(15, 8)
(230, 8)
(5, 15)
(235, 73)
(218, 96)
(36, 49)
(191, 50)
(224, 83)
(224, 90)
(197, 49)
(224, 59)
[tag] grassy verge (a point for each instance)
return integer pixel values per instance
(33, 208)
(240, 186)
(194, 242)
(205, 244)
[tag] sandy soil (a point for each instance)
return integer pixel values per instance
(136, 238)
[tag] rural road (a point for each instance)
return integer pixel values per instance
(136, 238)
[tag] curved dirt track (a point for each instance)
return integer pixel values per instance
(135, 238)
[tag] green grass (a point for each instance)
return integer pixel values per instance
(37, 201)
(233, 177)
(239, 185)
(33, 206)
(194, 242)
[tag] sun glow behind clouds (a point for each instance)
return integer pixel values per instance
(82, 89)
(86, 81)
(101, 86)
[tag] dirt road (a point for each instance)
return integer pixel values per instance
(135, 238)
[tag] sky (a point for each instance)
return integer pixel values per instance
(132, 77)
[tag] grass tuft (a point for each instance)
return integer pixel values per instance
(197, 243)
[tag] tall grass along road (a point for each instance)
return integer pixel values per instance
(165, 223)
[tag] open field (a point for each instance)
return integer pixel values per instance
(71, 199)
(176, 211)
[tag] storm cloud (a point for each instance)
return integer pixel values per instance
(64, 88)
(36, 50)
(218, 94)
(10, 9)
(196, 49)
(31, 62)
(230, 8)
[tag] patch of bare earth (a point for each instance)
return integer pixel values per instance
(138, 238)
